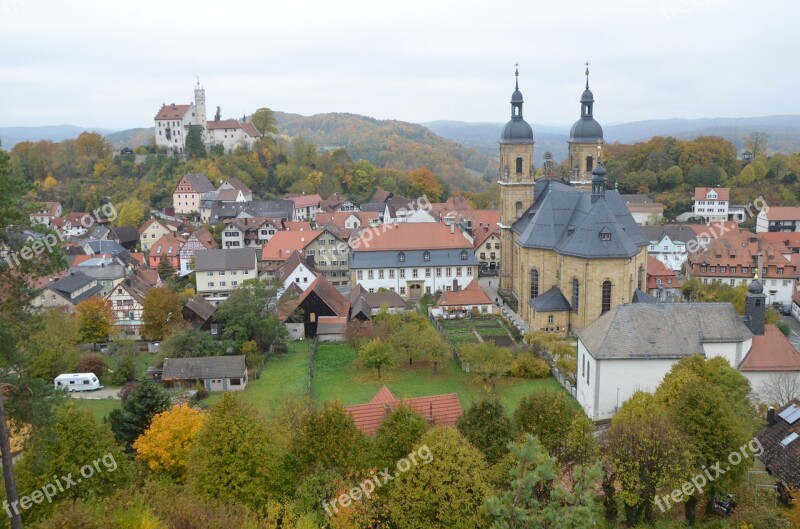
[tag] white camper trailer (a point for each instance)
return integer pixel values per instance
(77, 382)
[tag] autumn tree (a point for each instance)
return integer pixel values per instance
(488, 360)
(422, 182)
(376, 354)
(130, 212)
(264, 120)
(165, 445)
(486, 425)
(366, 512)
(95, 319)
(145, 401)
(235, 443)
(447, 492)
(52, 349)
(161, 313)
(756, 143)
(396, 436)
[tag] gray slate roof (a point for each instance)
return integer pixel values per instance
(65, 286)
(200, 182)
(681, 233)
(551, 301)
(564, 219)
(278, 209)
(225, 259)
(203, 367)
(643, 297)
(414, 259)
(662, 330)
(107, 246)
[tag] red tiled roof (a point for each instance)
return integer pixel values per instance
(413, 236)
(646, 208)
(783, 213)
(439, 410)
(173, 111)
(283, 243)
(338, 218)
(483, 233)
(305, 201)
(789, 239)
(250, 130)
(723, 193)
(657, 270)
(139, 256)
(326, 292)
(740, 249)
(473, 294)
(148, 222)
(296, 225)
(163, 245)
(771, 351)
(224, 124)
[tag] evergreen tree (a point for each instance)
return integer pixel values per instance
(194, 142)
(145, 401)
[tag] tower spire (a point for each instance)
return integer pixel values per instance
(516, 76)
(587, 75)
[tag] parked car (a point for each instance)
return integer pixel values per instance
(786, 310)
(126, 151)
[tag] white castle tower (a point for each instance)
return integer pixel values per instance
(200, 105)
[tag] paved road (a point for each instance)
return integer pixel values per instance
(489, 285)
(794, 336)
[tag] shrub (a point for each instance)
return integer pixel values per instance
(528, 366)
(92, 363)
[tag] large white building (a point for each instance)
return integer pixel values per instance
(711, 203)
(172, 124)
(219, 272)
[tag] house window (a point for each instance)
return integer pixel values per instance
(370, 274)
(780, 271)
(519, 164)
(427, 272)
(426, 256)
(448, 272)
(438, 272)
(722, 269)
(222, 283)
(211, 283)
(401, 257)
(360, 275)
(463, 255)
(469, 271)
(589, 164)
(575, 293)
(402, 273)
(414, 273)
(605, 236)
(402, 290)
(534, 283)
(391, 273)
(744, 269)
(606, 298)
(640, 279)
(702, 268)
(550, 318)
(483, 255)
(713, 269)
(427, 290)
(380, 274)
(458, 271)
(488, 246)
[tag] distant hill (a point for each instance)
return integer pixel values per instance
(10, 136)
(784, 132)
(392, 144)
(130, 138)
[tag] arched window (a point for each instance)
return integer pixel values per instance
(519, 164)
(534, 282)
(640, 279)
(606, 298)
(575, 294)
(589, 164)
(519, 208)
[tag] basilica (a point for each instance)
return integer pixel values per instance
(571, 251)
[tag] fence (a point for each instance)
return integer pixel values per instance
(564, 381)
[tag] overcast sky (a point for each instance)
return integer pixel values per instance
(111, 64)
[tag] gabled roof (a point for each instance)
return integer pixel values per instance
(569, 222)
(785, 239)
(125, 234)
(250, 130)
(169, 245)
(173, 111)
(72, 283)
(439, 410)
(224, 124)
(657, 270)
(723, 193)
(284, 243)
(150, 222)
(236, 184)
(199, 181)
(327, 293)
(782, 461)
(648, 330)
(471, 295)
(305, 201)
(201, 307)
(771, 351)
(413, 236)
(779, 213)
(551, 301)
(364, 302)
(296, 225)
(677, 233)
(204, 237)
(290, 264)
(227, 259)
(339, 218)
(136, 286)
(106, 246)
(381, 196)
(204, 367)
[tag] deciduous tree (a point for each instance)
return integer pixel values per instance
(165, 445)
(487, 360)
(486, 425)
(95, 319)
(376, 354)
(396, 436)
(546, 413)
(161, 313)
(264, 120)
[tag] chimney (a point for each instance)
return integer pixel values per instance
(387, 408)
(771, 416)
(452, 228)
(431, 420)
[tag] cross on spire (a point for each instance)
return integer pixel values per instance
(516, 75)
(587, 75)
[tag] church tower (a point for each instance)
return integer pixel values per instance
(585, 141)
(516, 180)
(199, 105)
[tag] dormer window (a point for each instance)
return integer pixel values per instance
(605, 236)
(463, 255)
(401, 257)
(426, 256)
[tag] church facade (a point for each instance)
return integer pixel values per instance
(569, 255)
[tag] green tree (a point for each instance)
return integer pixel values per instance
(190, 342)
(95, 319)
(375, 354)
(448, 492)
(128, 423)
(486, 425)
(532, 499)
(195, 148)
(161, 313)
(488, 360)
(244, 315)
(165, 269)
(233, 458)
(74, 441)
(264, 120)
(329, 439)
(52, 349)
(396, 436)
(548, 414)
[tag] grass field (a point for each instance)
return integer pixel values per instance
(337, 376)
(100, 408)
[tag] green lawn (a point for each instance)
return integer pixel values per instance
(338, 377)
(282, 376)
(99, 407)
(143, 361)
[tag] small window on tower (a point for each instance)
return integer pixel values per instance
(589, 164)
(518, 208)
(519, 164)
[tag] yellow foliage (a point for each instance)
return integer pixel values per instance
(49, 182)
(165, 445)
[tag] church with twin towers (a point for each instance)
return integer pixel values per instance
(571, 250)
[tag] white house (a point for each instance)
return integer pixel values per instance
(199, 240)
(295, 271)
(668, 243)
(306, 207)
(778, 219)
(711, 203)
(231, 133)
(413, 259)
(47, 212)
(219, 272)
(462, 303)
(248, 232)
(186, 195)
